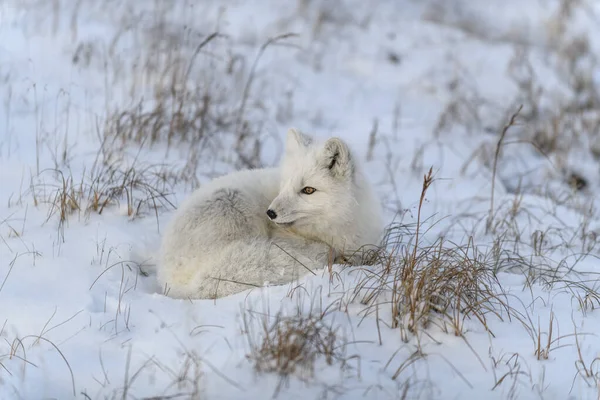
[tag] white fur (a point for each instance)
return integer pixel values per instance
(221, 241)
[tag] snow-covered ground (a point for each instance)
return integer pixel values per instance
(410, 84)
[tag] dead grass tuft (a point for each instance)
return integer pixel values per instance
(296, 343)
(134, 187)
(442, 283)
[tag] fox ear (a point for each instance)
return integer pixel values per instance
(296, 140)
(337, 159)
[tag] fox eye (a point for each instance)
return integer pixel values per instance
(309, 190)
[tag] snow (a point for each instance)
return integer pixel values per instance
(77, 318)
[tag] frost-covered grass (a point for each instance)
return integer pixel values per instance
(480, 127)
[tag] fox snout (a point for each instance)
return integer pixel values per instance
(271, 214)
(279, 210)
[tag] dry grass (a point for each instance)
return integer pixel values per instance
(446, 284)
(177, 111)
(136, 188)
(559, 122)
(588, 371)
(296, 343)
(442, 283)
(533, 233)
(18, 351)
(201, 114)
(496, 156)
(546, 342)
(186, 382)
(511, 373)
(196, 95)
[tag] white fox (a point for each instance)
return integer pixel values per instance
(270, 225)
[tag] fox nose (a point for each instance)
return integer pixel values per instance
(272, 214)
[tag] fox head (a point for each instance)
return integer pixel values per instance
(316, 186)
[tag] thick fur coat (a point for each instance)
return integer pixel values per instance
(254, 227)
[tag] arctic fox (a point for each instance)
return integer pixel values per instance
(270, 225)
